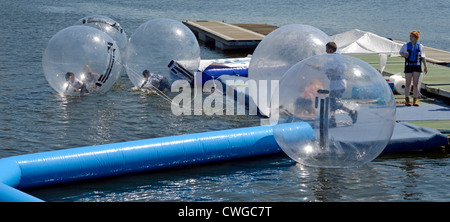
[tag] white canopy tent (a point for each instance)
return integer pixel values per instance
(357, 42)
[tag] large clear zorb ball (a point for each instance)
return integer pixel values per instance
(346, 101)
(162, 46)
(81, 60)
(276, 53)
(108, 26)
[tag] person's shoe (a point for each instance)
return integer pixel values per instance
(354, 115)
(407, 102)
(415, 103)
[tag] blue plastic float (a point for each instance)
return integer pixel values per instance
(60, 166)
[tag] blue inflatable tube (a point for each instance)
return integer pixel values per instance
(216, 72)
(60, 166)
(10, 194)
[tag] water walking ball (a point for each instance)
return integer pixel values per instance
(108, 26)
(81, 60)
(279, 51)
(347, 103)
(158, 42)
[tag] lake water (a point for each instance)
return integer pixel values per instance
(34, 118)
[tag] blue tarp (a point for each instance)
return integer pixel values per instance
(425, 112)
(409, 137)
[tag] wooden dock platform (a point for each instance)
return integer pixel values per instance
(227, 36)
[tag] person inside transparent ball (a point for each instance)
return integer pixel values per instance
(154, 81)
(90, 77)
(347, 144)
(76, 84)
(335, 70)
(304, 105)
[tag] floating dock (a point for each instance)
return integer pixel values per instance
(227, 36)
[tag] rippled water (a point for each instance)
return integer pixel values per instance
(34, 118)
(413, 177)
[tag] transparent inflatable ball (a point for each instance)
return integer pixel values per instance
(279, 51)
(346, 101)
(108, 26)
(164, 47)
(81, 60)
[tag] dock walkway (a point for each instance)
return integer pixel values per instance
(227, 36)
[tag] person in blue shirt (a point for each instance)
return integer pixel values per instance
(414, 55)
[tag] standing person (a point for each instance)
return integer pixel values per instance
(414, 55)
(338, 84)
